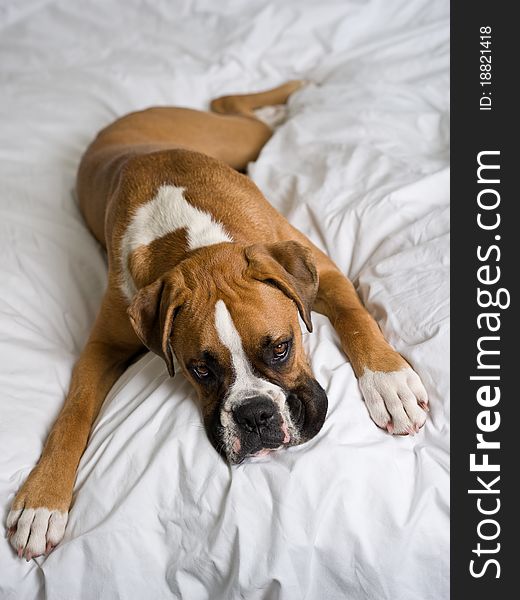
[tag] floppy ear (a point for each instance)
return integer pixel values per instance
(152, 312)
(290, 267)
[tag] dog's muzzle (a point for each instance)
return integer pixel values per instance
(267, 420)
(259, 425)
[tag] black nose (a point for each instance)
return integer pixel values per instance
(254, 414)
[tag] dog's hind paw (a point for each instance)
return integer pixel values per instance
(272, 116)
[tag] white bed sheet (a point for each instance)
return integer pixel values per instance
(361, 166)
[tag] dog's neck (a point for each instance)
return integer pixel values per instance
(161, 234)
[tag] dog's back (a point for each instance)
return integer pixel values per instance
(231, 134)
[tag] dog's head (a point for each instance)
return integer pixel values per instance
(229, 314)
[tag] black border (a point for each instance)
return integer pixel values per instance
(473, 131)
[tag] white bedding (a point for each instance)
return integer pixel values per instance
(361, 166)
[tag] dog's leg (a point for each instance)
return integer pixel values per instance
(39, 512)
(267, 106)
(393, 392)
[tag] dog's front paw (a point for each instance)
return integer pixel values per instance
(35, 531)
(38, 516)
(396, 400)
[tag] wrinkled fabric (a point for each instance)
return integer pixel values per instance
(361, 167)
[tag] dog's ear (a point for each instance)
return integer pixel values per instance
(152, 312)
(290, 267)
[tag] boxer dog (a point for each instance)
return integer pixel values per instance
(204, 272)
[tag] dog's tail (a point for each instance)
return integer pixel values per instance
(267, 106)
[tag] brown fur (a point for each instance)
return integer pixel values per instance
(201, 152)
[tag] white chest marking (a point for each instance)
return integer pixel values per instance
(246, 384)
(167, 212)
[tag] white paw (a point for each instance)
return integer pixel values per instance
(35, 531)
(272, 116)
(395, 400)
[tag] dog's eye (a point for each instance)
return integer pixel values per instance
(201, 371)
(280, 351)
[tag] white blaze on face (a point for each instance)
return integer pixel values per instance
(246, 384)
